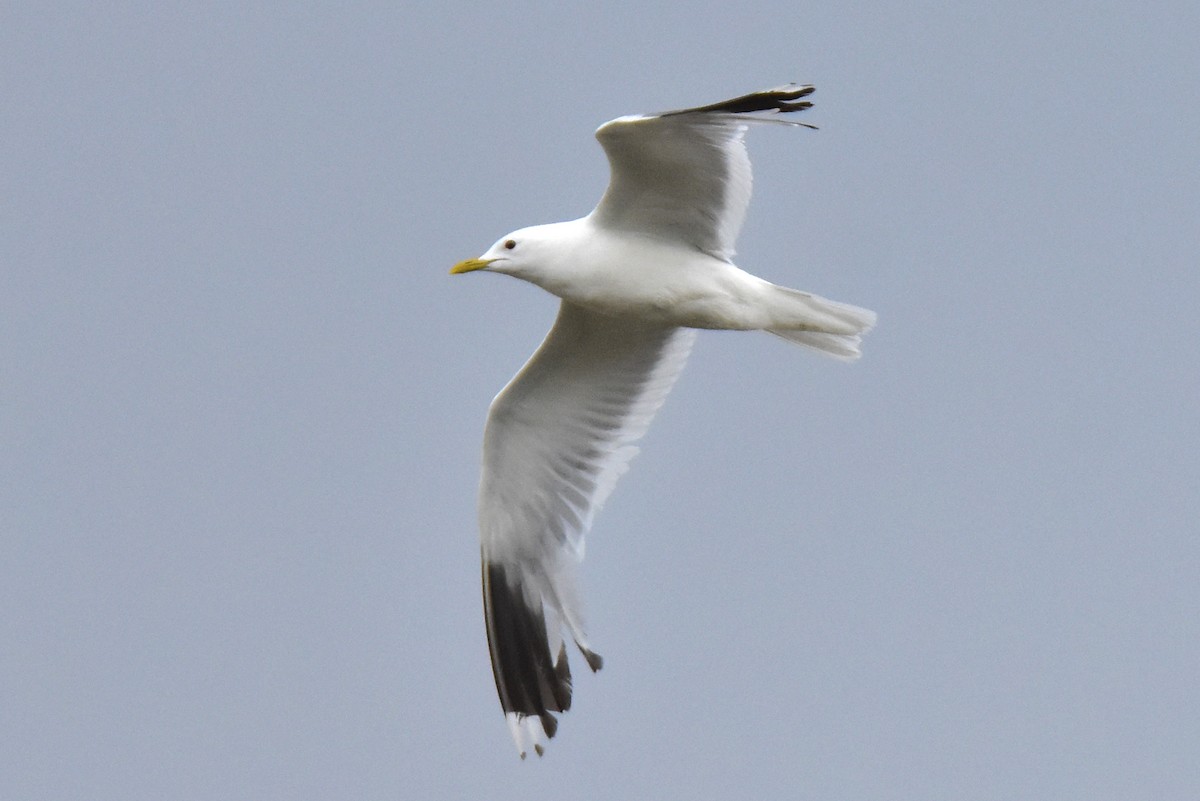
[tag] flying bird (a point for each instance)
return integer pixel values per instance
(637, 276)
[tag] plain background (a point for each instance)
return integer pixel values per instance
(242, 403)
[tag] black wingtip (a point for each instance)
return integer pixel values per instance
(783, 99)
(593, 659)
(528, 680)
(562, 674)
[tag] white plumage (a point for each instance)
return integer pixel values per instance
(649, 265)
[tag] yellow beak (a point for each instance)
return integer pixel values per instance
(470, 265)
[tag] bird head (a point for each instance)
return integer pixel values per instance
(522, 254)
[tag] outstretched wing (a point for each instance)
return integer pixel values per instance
(685, 175)
(557, 439)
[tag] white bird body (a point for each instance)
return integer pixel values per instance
(604, 270)
(637, 276)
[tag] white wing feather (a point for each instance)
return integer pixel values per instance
(557, 439)
(685, 175)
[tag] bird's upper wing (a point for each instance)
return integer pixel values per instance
(557, 439)
(685, 175)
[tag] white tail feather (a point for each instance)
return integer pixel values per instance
(839, 346)
(833, 328)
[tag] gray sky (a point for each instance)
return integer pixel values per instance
(241, 404)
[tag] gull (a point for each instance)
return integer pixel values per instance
(637, 276)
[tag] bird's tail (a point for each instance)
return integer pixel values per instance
(833, 328)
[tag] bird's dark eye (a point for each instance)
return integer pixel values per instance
(509, 244)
